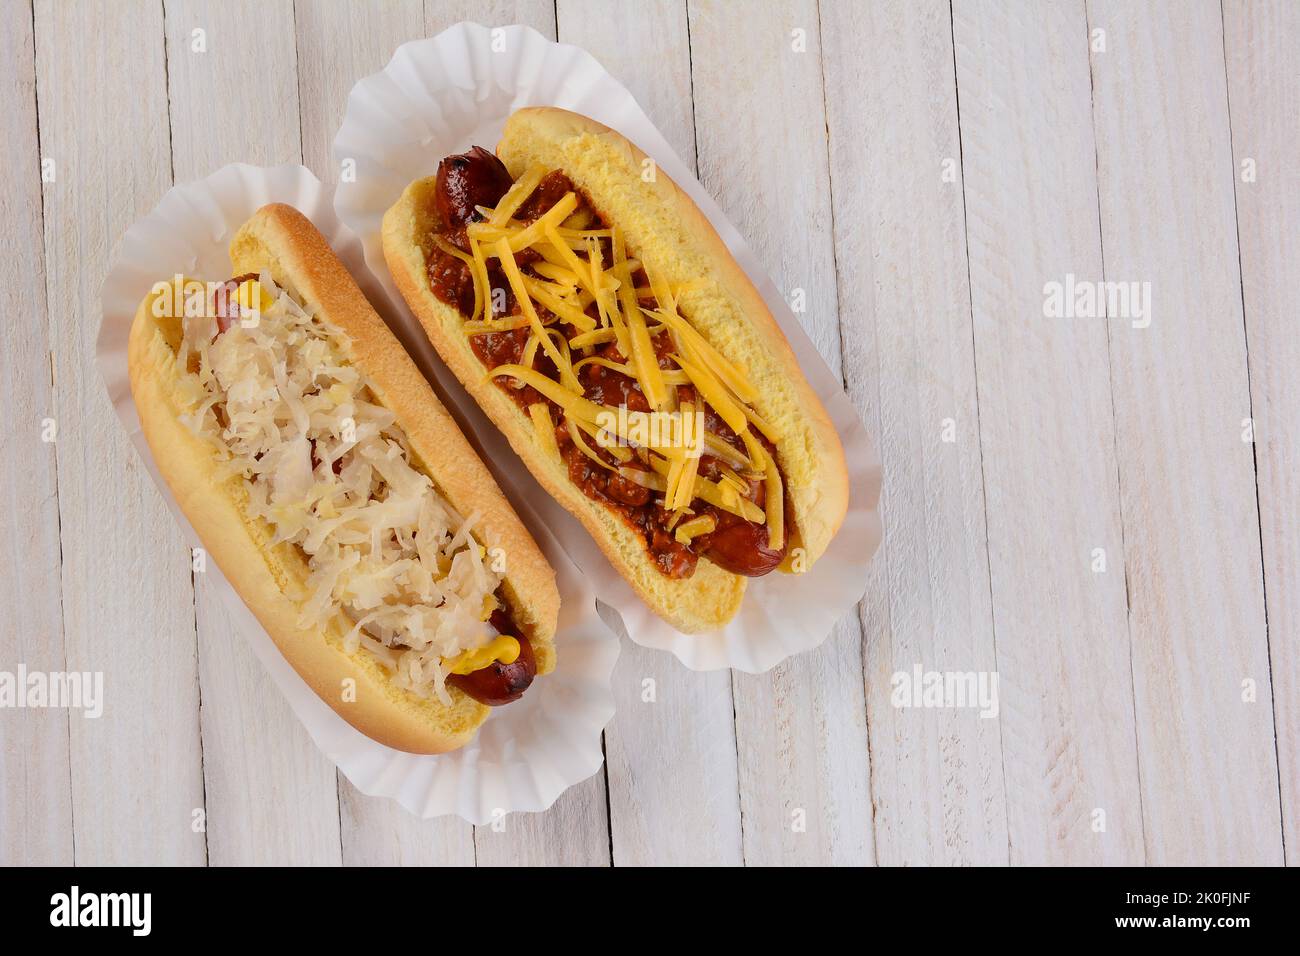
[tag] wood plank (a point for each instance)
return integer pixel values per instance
(573, 832)
(337, 45)
(1187, 479)
(538, 14)
(576, 829)
(1261, 43)
(272, 796)
(127, 600)
(761, 142)
(35, 776)
(936, 774)
(1046, 435)
(380, 832)
(673, 789)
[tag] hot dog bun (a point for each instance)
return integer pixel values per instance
(271, 578)
(662, 226)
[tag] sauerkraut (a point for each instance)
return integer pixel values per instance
(330, 470)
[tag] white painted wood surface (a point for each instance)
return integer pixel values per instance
(1260, 44)
(35, 783)
(1187, 479)
(1046, 435)
(919, 171)
(800, 729)
(909, 366)
(128, 608)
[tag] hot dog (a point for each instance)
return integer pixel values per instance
(336, 493)
(583, 302)
(501, 681)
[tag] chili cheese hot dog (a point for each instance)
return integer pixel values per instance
(583, 303)
(336, 493)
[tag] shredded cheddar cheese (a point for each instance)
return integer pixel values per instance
(686, 530)
(540, 413)
(514, 198)
(583, 280)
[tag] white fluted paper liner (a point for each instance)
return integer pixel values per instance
(441, 95)
(527, 753)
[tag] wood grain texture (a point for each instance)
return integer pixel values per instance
(1120, 690)
(576, 830)
(573, 832)
(761, 142)
(272, 796)
(339, 44)
(900, 244)
(538, 14)
(671, 749)
(1047, 436)
(379, 832)
(35, 776)
(1261, 43)
(1187, 479)
(127, 600)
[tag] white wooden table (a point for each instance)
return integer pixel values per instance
(1103, 513)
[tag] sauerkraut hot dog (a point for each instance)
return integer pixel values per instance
(593, 312)
(336, 493)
